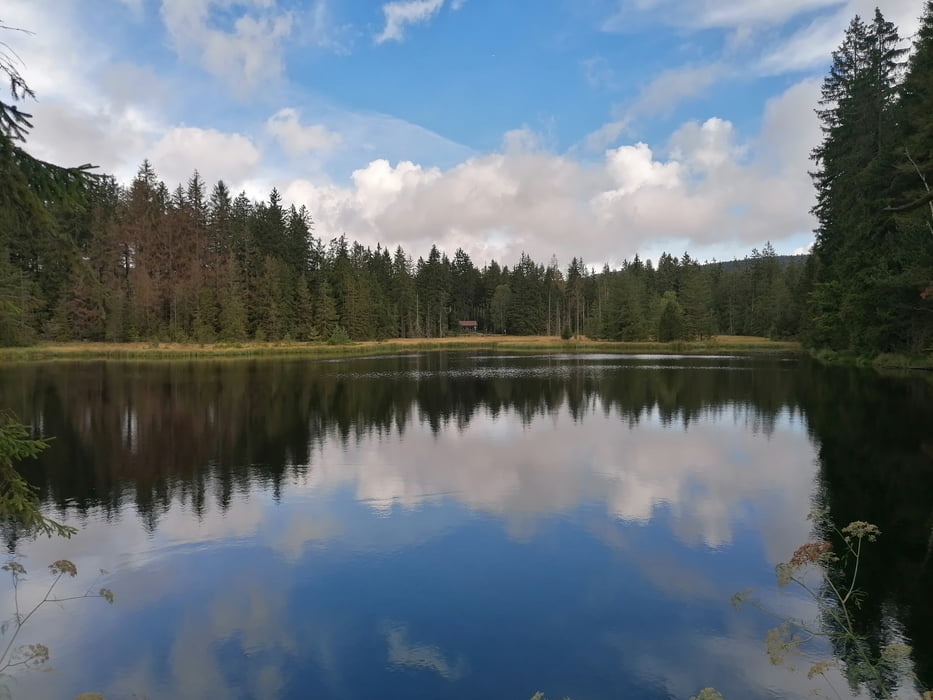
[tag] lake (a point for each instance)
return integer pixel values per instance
(461, 525)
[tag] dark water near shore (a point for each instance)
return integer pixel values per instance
(460, 526)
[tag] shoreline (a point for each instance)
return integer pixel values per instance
(255, 350)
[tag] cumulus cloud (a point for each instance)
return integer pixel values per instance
(700, 478)
(705, 147)
(251, 52)
(399, 15)
(708, 186)
(70, 136)
(56, 62)
(298, 139)
(633, 168)
(216, 155)
(90, 108)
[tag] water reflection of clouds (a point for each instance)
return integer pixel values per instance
(707, 478)
(704, 483)
(736, 663)
(125, 541)
(246, 616)
(402, 652)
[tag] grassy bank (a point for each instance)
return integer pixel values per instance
(153, 351)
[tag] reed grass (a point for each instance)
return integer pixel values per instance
(253, 349)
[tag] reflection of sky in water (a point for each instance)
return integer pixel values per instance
(587, 557)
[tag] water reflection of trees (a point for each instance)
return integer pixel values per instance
(146, 434)
(876, 452)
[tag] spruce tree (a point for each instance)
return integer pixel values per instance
(853, 305)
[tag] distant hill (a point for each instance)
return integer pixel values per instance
(783, 261)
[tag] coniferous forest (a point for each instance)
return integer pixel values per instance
(200, 263)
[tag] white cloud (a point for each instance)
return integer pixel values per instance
(738, 13)
(705, 147)
(90, 107)
(811, 46)
(251, 52)
(669, 88)
(758, 28)
(791, 126)
(56, 62)
(700, 478)
(606, 135)
(658, 98)
(298, 139)
(400, 14)
(317, 27)
(634, 167)
(216, 155)
(711, 189)
(722, 14)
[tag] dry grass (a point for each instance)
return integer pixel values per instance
(504, 343)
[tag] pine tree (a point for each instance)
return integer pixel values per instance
(576, 297)
(853, 306)
(325, 315)
(403, 296)
(232, 316)
(27, 183)
(527, 302)
(303, 325)
(697, 302)
(671, 325)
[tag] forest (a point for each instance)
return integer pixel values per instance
(203, 265)
(200, 263)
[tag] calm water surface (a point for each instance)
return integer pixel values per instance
(460, 525)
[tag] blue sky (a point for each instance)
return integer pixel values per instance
(592, 128)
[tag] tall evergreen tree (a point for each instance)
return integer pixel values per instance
(854, 306)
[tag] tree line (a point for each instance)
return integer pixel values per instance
(198, 264)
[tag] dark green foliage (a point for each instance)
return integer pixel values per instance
(148, 265)
(19, 504)
(671, 325)
(339, 336)
(874, 246)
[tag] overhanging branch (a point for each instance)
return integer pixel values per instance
(910, 206)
